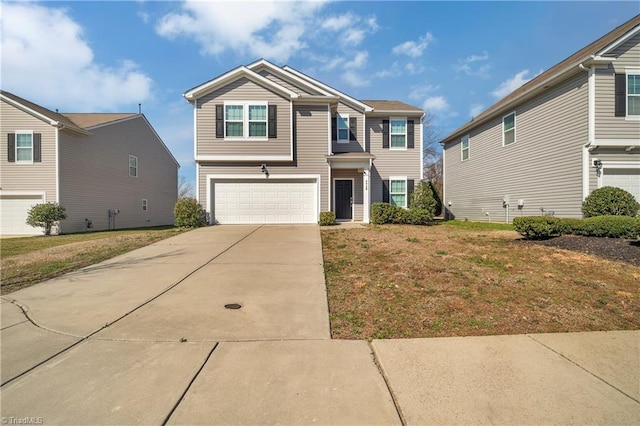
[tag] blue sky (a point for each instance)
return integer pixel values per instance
(452, 58)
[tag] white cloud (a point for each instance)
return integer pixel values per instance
(67, 77)
(358, 61)
(413, 48)
(467, 65)
(475, 109)
(353, 28)
(476, 58)
(420, 92)
(511, 84)
(435, 103)
(353, 36)
(337, 23)
(414, 69)
(355, 79)
(268, 29)
(392, 71)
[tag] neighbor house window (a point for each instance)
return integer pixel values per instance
(464, 145)
(245, 120)
(144, 205)
(633, 95)
(24, 147)
(398, 191)
(343, 128)
(509, 129)
(398, 133)
(133, 166)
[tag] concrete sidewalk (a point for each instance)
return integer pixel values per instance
(145, 339)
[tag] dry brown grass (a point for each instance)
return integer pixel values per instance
(408, 281)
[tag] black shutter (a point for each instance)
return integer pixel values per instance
(621, 95)
(334, 128)
(219, 121)
(353, 129)
(385, 191)
(11, 147)
(410, 186)
(37, 147)
(410, 135)
(385, 134)
(273, 124)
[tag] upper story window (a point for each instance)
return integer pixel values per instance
(464, 147)
(509, 129)
(133, 166)
(343, 128)
(245, 120)
(24, 146)
(398, 133)
(633, 95)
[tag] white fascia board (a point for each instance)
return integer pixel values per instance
(244, 158)
(287, 75)
(618, 42)
(232, 76)
(29, 110)
(617, 142)
(343, 96)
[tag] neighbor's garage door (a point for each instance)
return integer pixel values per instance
(260, 201)
(627, 179)
(13, 214)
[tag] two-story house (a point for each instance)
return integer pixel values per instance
(273, 145)
(108, 170)
(545, 147)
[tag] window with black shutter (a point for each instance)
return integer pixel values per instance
(620, 95)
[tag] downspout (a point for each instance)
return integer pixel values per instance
(591, 118)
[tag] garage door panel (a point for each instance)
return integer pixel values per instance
(14, 210)
(277, 201)
(627, 179)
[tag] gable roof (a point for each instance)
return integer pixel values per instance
(87, 120)
(383, 106)
(287, 76)
(54, 118)
(590, 54)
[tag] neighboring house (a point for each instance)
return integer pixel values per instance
(112, 170)
(545, 147)
(273, 145)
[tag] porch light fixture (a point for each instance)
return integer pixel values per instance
(263, 169)
(598, 165)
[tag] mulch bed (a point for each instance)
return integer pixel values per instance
(627, 251)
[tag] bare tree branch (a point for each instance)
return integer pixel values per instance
(185, 188)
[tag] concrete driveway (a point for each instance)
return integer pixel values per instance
(145, 338)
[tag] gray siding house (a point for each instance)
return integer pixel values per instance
(273, 145)
(110, 169)
(546, 146)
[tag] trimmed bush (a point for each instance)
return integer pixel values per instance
(189, 213)
(539, 227)
(609, 226)
(419, 217)
(327, 219)
(45, 216)
(386, 213)
(422, 198)
(609, 200)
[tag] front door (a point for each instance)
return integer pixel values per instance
(344, 199)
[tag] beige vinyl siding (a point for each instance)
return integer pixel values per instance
(353, 146)
(627, 54)
(284, 83)
(27, 177)
(607, 156)
(95, 177)
(543, 167)
(311, 148)
(358, 197)
(241, 90)
(391, 162)
(607, 125)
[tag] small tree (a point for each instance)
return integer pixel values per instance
(45, 216)
(422, 198)
(189, 213)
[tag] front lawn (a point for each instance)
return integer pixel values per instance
(464, 279)
(30, 260)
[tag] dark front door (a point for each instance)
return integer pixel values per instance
(344, 200)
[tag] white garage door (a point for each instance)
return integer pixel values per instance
(13, 214)
(627, 179)
(260, 201)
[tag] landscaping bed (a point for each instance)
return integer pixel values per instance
(457, 279)
(621, 250)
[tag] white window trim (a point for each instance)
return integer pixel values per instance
(391, 147)
(23, 132)
(463, 149)
(406, 189)
(515, 126)
(628, 72)
(245, 121)
(137, 166)
(338, 116)
(145, 205)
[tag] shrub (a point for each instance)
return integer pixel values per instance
(419, 217)
(327, 219)
(386, 213)
(609, 226)
(539, 227)
(422, 198)
(189, 213)
(609, 200)
(45, 215)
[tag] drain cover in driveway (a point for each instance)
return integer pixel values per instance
(233, 306)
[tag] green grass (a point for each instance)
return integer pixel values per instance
(478, 226)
